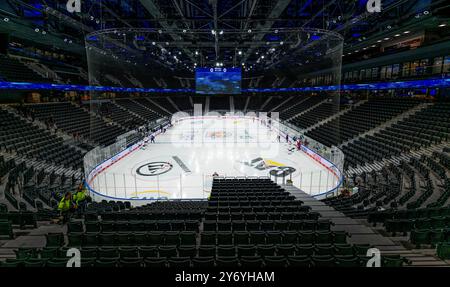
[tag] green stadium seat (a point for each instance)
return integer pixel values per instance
(49, 252)
(54, 239)
(155, 262)
(323, 261)
(300, 261)
(443, 250)
(188, 238)
(187, 251)
(106, 263)
(348, 261)
(131, 262)
(203, 262)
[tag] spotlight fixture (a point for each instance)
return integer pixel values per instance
(153, 43)
(196, 52)
(406, 32)
(442, 25)
(213, 32)
(36, 30)
(281, 43)
(221, 32)
(249, 30)
(397, 35)
(184, 30)
(6, 19)
(240, 53)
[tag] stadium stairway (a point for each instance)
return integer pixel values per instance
(378, 165)
(360, 232)
(34, 238)
(160, 106)
(173, 103)
(282, 103)
(68, 139)
(305, 111)
(334, 116)
(390, 122)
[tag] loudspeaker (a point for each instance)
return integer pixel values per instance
(4, 43)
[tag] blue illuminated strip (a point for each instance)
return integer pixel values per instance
(429, 83)
(59, 87)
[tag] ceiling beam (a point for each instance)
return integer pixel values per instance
(154, 10)
(232, 8)
(277, 10)
(216, 34)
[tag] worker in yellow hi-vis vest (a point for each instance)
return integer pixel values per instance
(66, 207)
(80, 199)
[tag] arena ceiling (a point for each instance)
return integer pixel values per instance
(211, 32)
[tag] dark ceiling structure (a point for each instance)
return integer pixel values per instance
(218, 32)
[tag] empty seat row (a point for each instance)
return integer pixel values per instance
(265, 225)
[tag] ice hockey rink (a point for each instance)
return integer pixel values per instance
(180, 164)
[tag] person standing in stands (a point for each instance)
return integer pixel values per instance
(152, 138)
(66, 207)
(80, 199)
(287, 138)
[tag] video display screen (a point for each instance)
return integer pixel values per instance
(218, 80)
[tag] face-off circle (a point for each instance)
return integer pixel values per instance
(154, 168)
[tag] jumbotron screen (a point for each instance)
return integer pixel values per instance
(218, 80)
